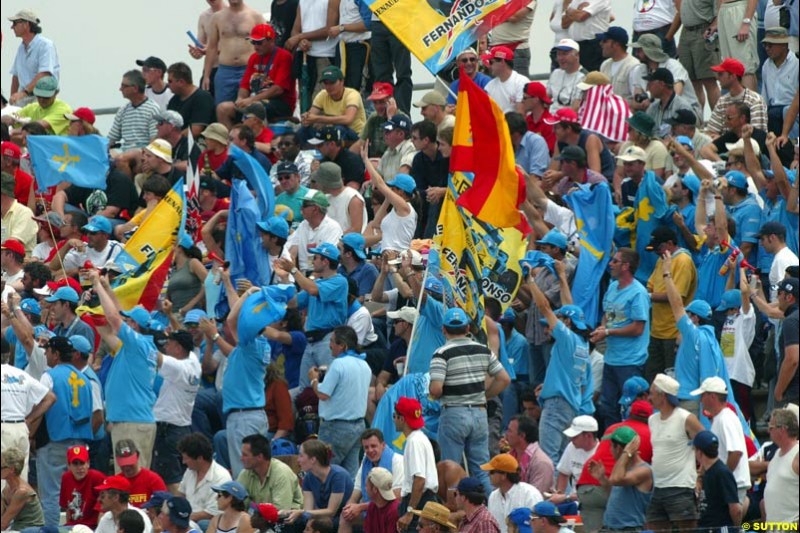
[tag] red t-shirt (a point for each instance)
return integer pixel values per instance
(79, 498)
(543, 129)
(22, 186)
(266, 137)
(381, 520)
(604, 455)
(280, 73)
(215, 160)
(143, 485)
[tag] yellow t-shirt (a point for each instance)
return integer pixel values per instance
(684, 275)
(54, 115)
(334, 108)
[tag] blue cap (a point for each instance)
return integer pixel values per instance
(731, 299)
(276, 226)
(508, 316)
(521, 517)
(633, 387)
(736, 179)
(554, 238)
(185, 240)
(29, 305)
(434, 285)
(326, 250)
(98, 223)
(403, 182)
(397, 122)
(194, 316)
(42, 331)
(699, 308)
(81, 344)
(574, 313)
(157, 499)
(470, 484)
(691, 182)
(546, 508)
(455, 318)
(356, 242)
(139, 315)
(179, 511)
(234, 488)
(614, 33)
(63, 294)
(685, 141)
(705, 440)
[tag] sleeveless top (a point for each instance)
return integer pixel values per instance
(183, 286)
(626, 507)
(607, 162)
(781, 492)
(398, 231)
(338, 209)
(231, 530)
(31, 514)
(673, 458)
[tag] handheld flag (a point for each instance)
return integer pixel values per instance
(194, 221)
(413, 386)
(242, 243)
(535, 259)
(257, 178)
(82, 161)
(261, 309)
(652, 210)
(605, 113)
(436, 31)
(594, 217)
(497, 188)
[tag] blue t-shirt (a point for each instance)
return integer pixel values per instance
(747, 215)
(533, 155)
(338, 481)
(329, 308)
(364, 275)
(623, 307)
(504, 355)
(129, 384)
(688, 219)
(243, 386)
(569, 373)
(289, 355)
(76, 327)
(710, 285)
(428, 336)
(347, 384)
(776, 212)
(699, 357)
(480, 79)
(20, 355)
(518, 348)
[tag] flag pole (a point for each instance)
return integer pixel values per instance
(57, 250)
(419, 306)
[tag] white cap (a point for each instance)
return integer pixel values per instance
(567, 44)
(43, 291)
(406, 314)
(416, 258)
(581, 424)
(794, 408)
(740, 145)
(382, 480)
(712, 384)
(633, 153)
(666, 384)
(161, 149)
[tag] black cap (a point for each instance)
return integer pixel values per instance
(682, 116)
(772, 228)
(184, 338)
(152, 62)
(328, 133)
(789, 285)
(572, 153)
(209, 184)
(661, 235)
(60, 344)
(287, 167)
(661, 74)
(256, 109)
(793, 271)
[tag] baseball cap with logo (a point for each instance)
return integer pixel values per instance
(521, 517)
(327, 250)
(566, 45)
(381, 90)
(397, 122)
(275, 226)
(63, 294)
(139, 315)
(700, 308)
(789, 286)
(152, 62)
(581, 424)
(286, 167)
(633, 387)
(316, 198)
(261, 32)
(326, 134)
(660, 74)
(411, 411)
(126, 452)
(731, 299)
(179, 511)
(77, 453)
(731, 66)
(46, 87)
(119, 483)
(98, 224)
(30, 306)
(157, 500)
(682, 117)
(9, 149)
(501, 52)
(633, 153)
(705, 441)
(331, 73)
(573, 312)
(547, 509)
(565, 114)
(455, 318)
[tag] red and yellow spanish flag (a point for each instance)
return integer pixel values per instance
(486, 150)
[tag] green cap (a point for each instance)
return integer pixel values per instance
(316, 197)
(331, 73)
(46, 87)
(622, 435)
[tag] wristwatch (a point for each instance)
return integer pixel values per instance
(215, 337)
(746, 21)
(293, 271)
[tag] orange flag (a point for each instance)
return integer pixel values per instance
(486, 151)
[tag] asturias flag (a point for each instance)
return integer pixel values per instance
(261, 309)
(82, 161)
(652, 210)
(482, 146)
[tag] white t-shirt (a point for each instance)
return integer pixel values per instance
(108, 525)
(162, 98)
(397, 474)
(361, 322)
(176, 397)
(519, 495)
(37, 362)
(20, 393)
(222, 362)
(418, 460)
(42, 250)
(306, 238)
(737, 336)
(598, 22)
(651, 14)
(777, 272)
(728, 429)
(563, 219)
(507, 93)
(563, 88)
(75, 258)
(573, 459)
(199, 493)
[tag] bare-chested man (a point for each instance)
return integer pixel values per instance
(203, 24)
(228, 33)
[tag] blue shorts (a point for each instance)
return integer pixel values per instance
(226, 83)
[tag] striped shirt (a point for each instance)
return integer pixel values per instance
(135, 126)
(758, 111)
(462, 364)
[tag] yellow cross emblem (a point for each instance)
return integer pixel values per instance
(75, 382)
(645, 209)
(66, 159)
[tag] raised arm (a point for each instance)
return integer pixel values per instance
(674, 297)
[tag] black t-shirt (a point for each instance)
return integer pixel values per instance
(719, 491)
(629, 189)
(120, 192)
(786, 152)
(282, 19)
(790, 336)
(352, 166)
(430, 173)
(398, 348)
(198, 108)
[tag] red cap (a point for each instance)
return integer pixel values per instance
(78, 453)
(14, 245)
(411, 411)
(82, 113)
(565, 114)
(267, 511)
(537, 90)
(119, 483)
(500, 52)
(641, 408)
(730, 65)
(67, 282)
(9, 149)
(381, 90)
(261, 32)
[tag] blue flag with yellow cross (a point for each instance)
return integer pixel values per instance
(82, 161)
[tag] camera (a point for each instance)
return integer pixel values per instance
(641, 97)
(322, 371)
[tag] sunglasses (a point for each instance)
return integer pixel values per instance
(308, 204)
(469, 60)
(286, 143)
(90, 232)
(223, 495)
(286, 177)
(257, 43)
